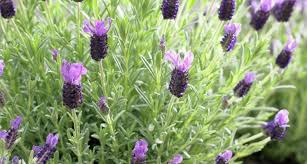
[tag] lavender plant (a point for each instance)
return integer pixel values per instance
(148, 113)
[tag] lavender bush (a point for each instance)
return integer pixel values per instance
(156, 86)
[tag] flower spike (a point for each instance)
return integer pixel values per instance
(180, 75)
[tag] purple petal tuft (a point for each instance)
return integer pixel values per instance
(250, 77)
(281, 118)
(16, 123)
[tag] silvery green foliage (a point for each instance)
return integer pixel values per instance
(134, 79)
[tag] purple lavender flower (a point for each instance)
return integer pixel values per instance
(260, 16)
(72, 89)
(244, 85)
(2, 65)
(162, 44)
(277, 128)
(2, 160)
(103, 104)
(7, 9)
(99, 37)
(227, 9)
(15, 160)
(10, 135)
(180, 75)
(284, 58)
(229, 40)
(170, 9)
(224, 157)
(176, 160)
(54, 54)
(282, 9)
(139, 152)
(43, 153)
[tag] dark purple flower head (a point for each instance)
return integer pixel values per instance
(7, 9)
(100, 28)
(72, 72)
(229, 40)
(43, 153)
(180, 75)
(244, 85)
(284, 58)
(54, 54)
(277, 128)
(260, 16)
(2, 65)
(170, 9)
(282, 9)
(176, 160)
(224, 157)
(10, 136)
(102, 103)
(139, 152)
(227, 9)
(99, 38)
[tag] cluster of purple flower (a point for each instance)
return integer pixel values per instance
(73, 72)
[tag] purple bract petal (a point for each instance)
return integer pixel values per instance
(16, 123)
(291, 45)
(233, 28)
(187, 62)
(87, 27)
(2, 65)
(249, 77)
(36, 149)
(52, 140)
(177, 159)
(72, 72)
(3, 134)
(173, 57)
(266, 5)
(100, 28)
(281, 118)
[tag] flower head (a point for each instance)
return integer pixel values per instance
(229, 40)
(176, 160)
(102, 103)
(10, 135)
(170, 9)
(72, 72)
(15, 160)
(182, 65)
(244, 85)
(2, 65)
(224, 157)
(227, 9)
(139, 151)
(43, 153)
(277, 127)
(99, 28)
(54, 54)
(7, 9)
(285, 56)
